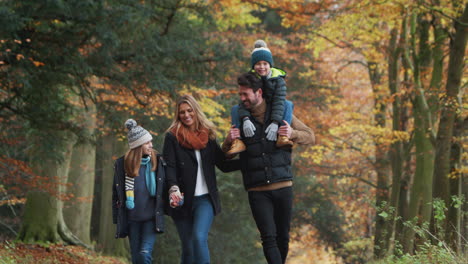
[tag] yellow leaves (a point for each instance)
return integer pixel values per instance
(455, 174)
(315, 154)
(375, 135)
(403, 136)
(365, 27)
(232, 13)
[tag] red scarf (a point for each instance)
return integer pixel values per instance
(191, 139)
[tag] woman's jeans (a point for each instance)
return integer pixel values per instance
(193, 231)
(287, 115)
(272, 213)
(142, 236)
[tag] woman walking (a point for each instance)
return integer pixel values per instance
(192, 152)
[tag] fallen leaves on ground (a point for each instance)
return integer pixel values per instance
(54, 253)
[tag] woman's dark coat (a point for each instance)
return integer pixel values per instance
(182, 168)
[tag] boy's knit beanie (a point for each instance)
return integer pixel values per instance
(137, 135)
(261, 53)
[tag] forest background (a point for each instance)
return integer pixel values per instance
(382, 84)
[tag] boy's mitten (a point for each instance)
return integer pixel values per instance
(272, 131)
(248, 127)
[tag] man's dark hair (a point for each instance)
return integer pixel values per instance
(249, 79)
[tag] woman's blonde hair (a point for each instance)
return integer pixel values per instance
(132, 161)
(200, 118)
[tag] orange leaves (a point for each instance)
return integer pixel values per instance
(138, 98)
(36, 63)
(51, 253)
(18, 56)
(297, 13)
(294, 13)
(71, 199)
(89, 48)
(12, 201)
(20, 179)
(14, 167)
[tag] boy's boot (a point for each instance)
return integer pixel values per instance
(236, 147)
(283, 141)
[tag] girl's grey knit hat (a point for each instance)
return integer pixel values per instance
(137, 135)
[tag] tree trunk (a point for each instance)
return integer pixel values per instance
(464, 186)
(450, 106)
(381, 163)
(43, 206)
(441, 188)
(39, 222)
(396, 152)
(454, 232)
(401, 195)
(109, 148)
(421, 192)
(77, 210)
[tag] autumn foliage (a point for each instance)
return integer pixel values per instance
(371, 78)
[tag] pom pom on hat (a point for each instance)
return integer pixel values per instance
(260, 43)
(137, 135)
(130, 123)
(261, 52)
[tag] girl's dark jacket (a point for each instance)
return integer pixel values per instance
(182, 168)
(119, 211)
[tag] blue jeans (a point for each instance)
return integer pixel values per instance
(193, 231)
(272, 213)
(142, 236)
(287, 115)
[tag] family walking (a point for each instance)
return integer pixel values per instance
(181, 182)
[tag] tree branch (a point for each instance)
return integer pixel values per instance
(9, 228)
(432, 8)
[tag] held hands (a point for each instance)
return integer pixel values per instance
(175, 197)
(272, 131)
(248, 127)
